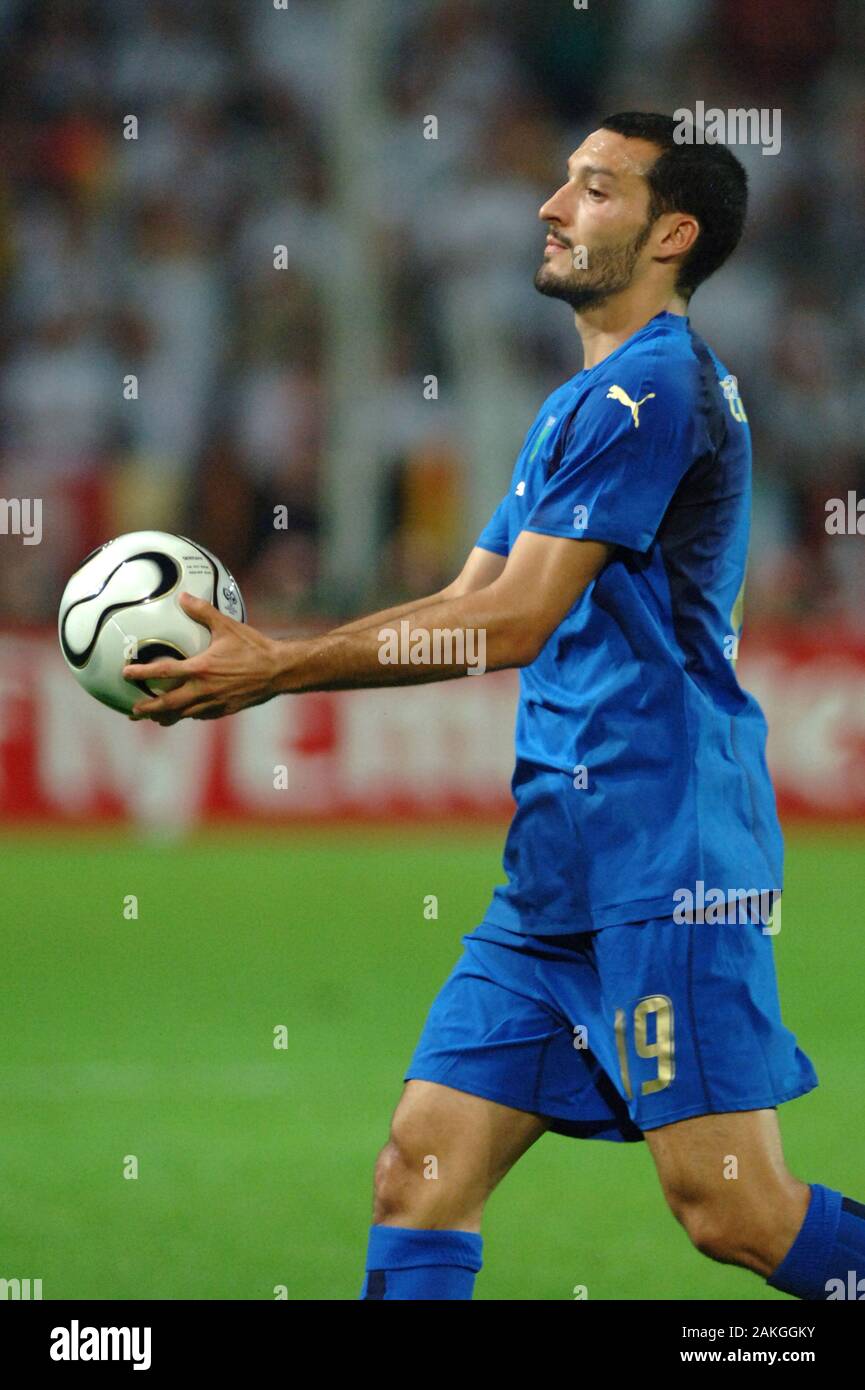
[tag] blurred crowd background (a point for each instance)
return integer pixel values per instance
(263, 127)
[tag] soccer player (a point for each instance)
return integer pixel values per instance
(599, 998)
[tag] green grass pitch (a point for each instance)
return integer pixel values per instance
(154, 1038)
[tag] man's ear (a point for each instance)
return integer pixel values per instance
(678, 234)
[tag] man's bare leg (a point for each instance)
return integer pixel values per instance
(446, 1152)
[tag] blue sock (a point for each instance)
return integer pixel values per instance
(827, 1258)
(409, 1264)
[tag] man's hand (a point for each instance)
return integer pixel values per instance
(238, 669)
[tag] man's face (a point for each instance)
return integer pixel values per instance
(604, 208)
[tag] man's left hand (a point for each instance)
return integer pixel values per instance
(237, 670)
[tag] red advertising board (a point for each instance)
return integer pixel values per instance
(432, 751)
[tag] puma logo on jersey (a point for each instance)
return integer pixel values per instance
(616, 393)
(521, 487)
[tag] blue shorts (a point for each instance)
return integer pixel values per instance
(613, 1032)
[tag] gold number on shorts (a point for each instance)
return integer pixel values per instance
(661, 1049)
(622, 1049)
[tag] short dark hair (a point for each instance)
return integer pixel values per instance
(706, 180)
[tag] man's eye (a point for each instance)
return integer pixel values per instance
(595, 192)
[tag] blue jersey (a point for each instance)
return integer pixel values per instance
(641, 766)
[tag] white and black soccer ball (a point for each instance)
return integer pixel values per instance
(121, 605)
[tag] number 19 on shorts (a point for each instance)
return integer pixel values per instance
(653, 1038)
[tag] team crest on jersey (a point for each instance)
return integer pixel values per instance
(618, 393)
(548, 425)
(730, 386)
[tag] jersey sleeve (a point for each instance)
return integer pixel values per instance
(622, 457)
(495, 535)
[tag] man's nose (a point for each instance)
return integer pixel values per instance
(552, 210)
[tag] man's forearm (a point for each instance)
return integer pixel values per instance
(387, 615)
(497, 614)
(435, 641)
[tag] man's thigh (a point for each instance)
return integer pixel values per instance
(719, 1156)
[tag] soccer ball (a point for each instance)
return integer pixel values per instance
(121, 606)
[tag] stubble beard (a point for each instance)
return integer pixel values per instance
(610, 270)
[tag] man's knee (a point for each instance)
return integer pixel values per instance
(744, 1213)
(395, 1171)
(447, 1151)
(710, 1229)
(417, 1183)
(736, 1227)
